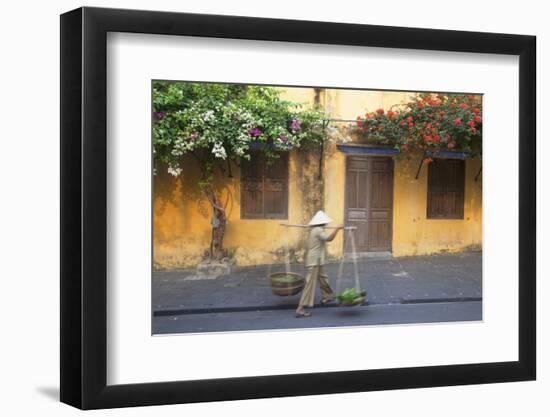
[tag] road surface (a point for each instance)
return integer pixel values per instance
(379, 314)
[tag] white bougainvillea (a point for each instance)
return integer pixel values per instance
(219, 151)
(220, 122)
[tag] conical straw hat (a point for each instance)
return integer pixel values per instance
(320, 218)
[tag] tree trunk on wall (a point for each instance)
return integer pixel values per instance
(219, 221)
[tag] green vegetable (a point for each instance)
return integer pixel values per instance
(350, 295)
(286, 278)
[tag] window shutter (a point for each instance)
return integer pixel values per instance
(264, 187)
(276, 188)
(252, 188)
(455, 189)
(446, 189)
(436, 190)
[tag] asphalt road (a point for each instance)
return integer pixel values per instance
(388, 281)
(381, 314)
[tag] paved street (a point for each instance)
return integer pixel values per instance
(322, 317)
(394, 280)
(436, 288)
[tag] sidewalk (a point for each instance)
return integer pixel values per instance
(420, 279)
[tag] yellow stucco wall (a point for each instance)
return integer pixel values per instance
(413, 232)
(347, 104)
(182, 217)
(335, 179)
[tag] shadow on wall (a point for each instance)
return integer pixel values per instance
(182, 214)
(175, 191)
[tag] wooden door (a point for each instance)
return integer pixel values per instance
(369, 201)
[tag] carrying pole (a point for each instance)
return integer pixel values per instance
(287, 258)
(341, 266)
(354, 255)
(326, 227)
(349, 239)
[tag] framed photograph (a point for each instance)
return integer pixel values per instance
(258, 208)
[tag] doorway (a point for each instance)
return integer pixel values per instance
(369, 202)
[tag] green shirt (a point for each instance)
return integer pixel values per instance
(316, 246)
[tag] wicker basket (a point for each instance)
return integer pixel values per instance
(287, 287)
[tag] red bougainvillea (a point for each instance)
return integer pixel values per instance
(429, 123)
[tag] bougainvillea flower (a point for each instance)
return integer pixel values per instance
(428, 123)
(158, 115)
(295, 125)
(255, 132)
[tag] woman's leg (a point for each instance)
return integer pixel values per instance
(308, 293)
(325, 287)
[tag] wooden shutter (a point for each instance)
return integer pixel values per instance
(252, 190)
(446, 189)
(276, 188)
(264, 187)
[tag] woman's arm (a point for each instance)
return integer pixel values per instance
(331, 237)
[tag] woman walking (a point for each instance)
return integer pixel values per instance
(315, 259)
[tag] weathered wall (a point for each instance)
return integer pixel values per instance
(182, 217)
(335, 179)
(347, 104)
(413, 233)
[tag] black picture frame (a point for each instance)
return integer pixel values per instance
(84, 207)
